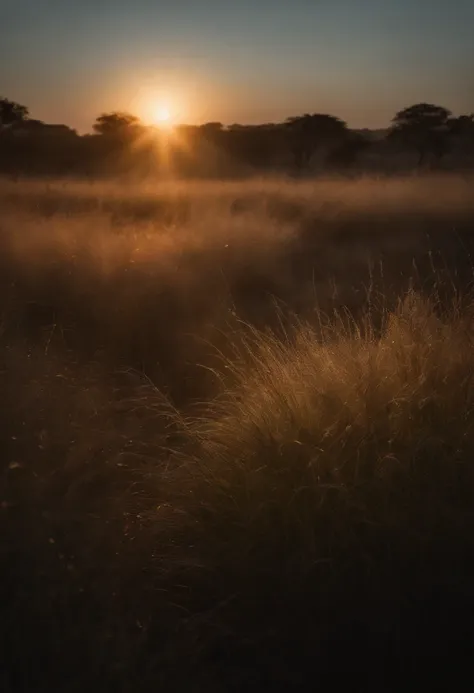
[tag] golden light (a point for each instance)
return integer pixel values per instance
(162, 100)
(161, 111)
(162, 116)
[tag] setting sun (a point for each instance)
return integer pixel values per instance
(162, 116)
(163, 108)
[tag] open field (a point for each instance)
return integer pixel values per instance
(236, 434)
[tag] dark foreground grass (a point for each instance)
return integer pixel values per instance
(245, 471)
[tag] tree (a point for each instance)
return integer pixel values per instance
(424, 127)
(463, 125)
(213, 126)
(346, 154)
(11, 113)
(212, 132)
(309, 132)
(116, 124)
(253, 145)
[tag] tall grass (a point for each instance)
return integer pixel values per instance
(237, 470)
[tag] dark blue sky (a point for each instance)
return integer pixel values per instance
(240, 61)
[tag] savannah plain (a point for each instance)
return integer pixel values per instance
(236, 433)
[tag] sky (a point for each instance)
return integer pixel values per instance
(244, 61)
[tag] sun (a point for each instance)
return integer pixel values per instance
(163, 109)
(162, 115)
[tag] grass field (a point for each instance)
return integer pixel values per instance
(236, 434)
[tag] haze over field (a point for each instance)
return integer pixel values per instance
(236, 422)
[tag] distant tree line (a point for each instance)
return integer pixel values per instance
(421, 136)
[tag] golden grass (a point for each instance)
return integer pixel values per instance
(237, 432)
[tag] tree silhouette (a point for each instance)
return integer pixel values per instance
(212, 132)
(12, 113)
(423, 127)
(116, 123)
(463, 125)
(309, 132)
(347, 152)
(212, 127)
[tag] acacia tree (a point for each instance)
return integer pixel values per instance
(309, 132)
(116, 124)
(11, 113)
(423, 127)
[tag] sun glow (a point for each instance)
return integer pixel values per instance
(164, 108)
(162, 115)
